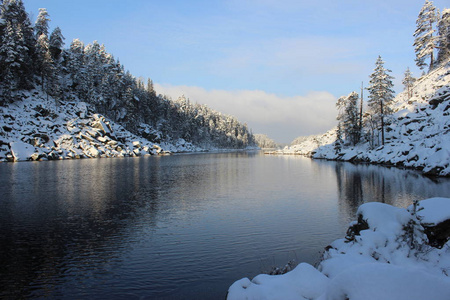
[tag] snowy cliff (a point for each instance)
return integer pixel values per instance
(418, 135)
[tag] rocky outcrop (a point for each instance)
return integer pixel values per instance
(37, 128)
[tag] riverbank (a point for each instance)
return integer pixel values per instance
(388, 253)
(417, 134)
(40, 128)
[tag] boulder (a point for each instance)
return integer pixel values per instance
(21, 151)
(439, 234)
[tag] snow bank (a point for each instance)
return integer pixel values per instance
(434, 210)
(304, 282)
(384, 256)
(377, 281)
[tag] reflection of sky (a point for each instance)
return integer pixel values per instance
(173, 225)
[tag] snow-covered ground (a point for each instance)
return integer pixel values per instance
(419, 136)
(38, 128)
(386, 255)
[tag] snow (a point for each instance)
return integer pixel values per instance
(434, 210)
(37, 128)
(384, 217)
(21, 150)
(376, 281)
(419, 136)
(304, 282)
(378, 262)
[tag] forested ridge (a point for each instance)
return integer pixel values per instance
(410, 129)
(359, 124)
(34, 59)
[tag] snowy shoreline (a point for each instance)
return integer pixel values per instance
(389, 253)
(368, 162)
(417, 134)
(37, 128)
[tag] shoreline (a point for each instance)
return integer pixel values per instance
(387, 253)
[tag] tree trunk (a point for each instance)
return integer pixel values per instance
(382, 122)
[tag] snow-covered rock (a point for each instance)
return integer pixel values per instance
(386, 255)
(21, 151)
(39, 128)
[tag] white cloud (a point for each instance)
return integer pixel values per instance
(282, 118)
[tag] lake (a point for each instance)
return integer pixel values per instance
(181, 226)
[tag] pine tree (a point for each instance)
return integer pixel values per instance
(44, 59)
(17, 32)
(348, 117)
(444, 37)
(75, 64)
(425, 42)
(56, 43)
(408, 82)
(339, 142)
(351, 121)
(381, 94)
(150, 87)
(41, 25)
(10, 62)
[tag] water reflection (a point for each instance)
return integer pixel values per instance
(65, 209)
(362, 183)
(183, 226)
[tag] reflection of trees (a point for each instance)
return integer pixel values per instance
(350, 188)
(70, 216)
(362, 183)
(63, 223)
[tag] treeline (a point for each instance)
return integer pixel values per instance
(432, 48)
(31, 57)
(263, 141)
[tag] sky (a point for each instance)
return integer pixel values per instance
(277, 65)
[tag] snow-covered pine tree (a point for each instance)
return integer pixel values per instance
(10, 62)
(339, 142)
(75, 66)
(348, 117)
(425, 42)
(444, 37)
(263, 141)
(340, 106)
(21, 38)
(408, 82)
(381, 94)
(56, 43)
(41, 25)
(352, 129)
(150, 87)
(45, 64)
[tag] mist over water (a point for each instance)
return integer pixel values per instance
(181, 226)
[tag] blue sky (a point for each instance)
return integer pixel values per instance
(278, 65)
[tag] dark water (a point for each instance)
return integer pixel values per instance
(177, 227)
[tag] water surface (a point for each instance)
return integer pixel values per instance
(178, 227)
